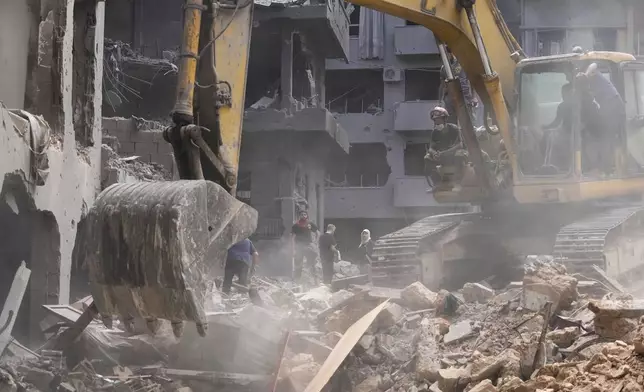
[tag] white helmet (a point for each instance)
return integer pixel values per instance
(438, 112)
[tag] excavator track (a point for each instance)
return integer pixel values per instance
(396, 262)
(582, 244)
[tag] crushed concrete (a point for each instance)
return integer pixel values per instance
(416, 297)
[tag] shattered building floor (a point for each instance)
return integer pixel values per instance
(549, 332)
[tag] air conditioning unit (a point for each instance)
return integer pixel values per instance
(392, 75)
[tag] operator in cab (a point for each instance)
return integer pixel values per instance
(610, 115)
(445, 145)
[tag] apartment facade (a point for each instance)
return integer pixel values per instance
(383, 95)
(288, 135)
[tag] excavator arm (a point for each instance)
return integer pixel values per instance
(153, 248)
(477, 35)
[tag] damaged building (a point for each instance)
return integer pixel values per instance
(288, 135)
(382, 98)
(50, 107)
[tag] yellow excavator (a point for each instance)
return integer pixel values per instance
(151, 248)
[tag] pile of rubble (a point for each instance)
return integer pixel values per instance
(549, 332)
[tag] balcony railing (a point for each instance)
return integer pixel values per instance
(359, 181)
(269, 228)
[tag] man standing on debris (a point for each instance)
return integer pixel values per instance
(328, 253)
(242, 258)
(302, 245)
(365, 252)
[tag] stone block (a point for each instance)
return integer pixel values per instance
(458, 332)
(448, 379)
(370, 384)
(390, 316)
(365, 342)
(427, 358)
(484, 386)
(146, 148)
(39, 378)
(476, 292)
(416, 296)
(564, 337)
(126, 148)
(109, 124)
(610, 327)
(125, 125)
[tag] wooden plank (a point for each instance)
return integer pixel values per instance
(343, 348)
(12, 305)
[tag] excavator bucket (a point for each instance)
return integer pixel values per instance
(153, 248)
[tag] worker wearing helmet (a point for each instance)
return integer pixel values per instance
(445, 146)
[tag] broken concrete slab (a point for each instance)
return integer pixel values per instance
(610, 327)
(416, 296)
(390, 316)
(309, 345)
(484, 386)
(551, 280)
(427, 362)
(12, 304)
(345, 283)
(450, 379)
(39, 378)
(535, 296)
(339, 297)
(370, 384)
(459, 332)
(476, 292)
(564, 337)
(618, 309)
(366, 341)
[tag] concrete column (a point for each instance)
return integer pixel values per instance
(319, 69)
(99, 40)
(630, 28)
(44, 286)
(286, 72)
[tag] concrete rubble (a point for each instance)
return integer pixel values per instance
(490, 342)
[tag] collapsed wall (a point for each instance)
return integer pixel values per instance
(49, 163)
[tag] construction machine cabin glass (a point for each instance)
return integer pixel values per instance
(545, 131)
(633, 74)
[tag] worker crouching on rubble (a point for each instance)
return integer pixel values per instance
(302, 245)
(328, 253)
(445, 145)
(242, 258)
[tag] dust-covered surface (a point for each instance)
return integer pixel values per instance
(475, 339)
(133, 167)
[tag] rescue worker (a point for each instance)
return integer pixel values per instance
(447, 101)
(445, 146)
(328, 253)
(242, 258)
(302, 245)
(611, 115)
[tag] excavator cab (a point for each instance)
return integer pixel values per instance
(566, 145)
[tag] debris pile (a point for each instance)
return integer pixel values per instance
(543, 333)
